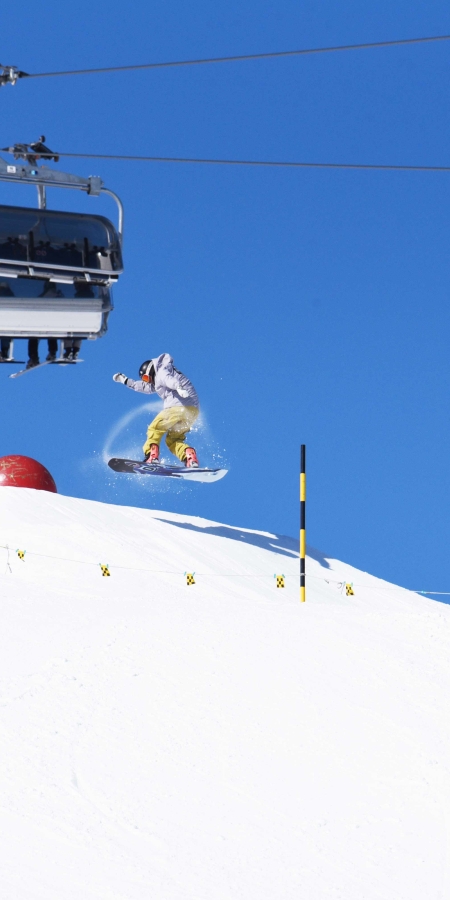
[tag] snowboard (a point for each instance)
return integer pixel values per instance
(47, 362)
(134, 467)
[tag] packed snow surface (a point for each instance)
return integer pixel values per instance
(218, 741)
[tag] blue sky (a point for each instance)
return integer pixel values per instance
(306, 306)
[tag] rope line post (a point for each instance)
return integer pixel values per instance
(302, 522)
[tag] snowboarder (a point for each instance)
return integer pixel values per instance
(181, 407)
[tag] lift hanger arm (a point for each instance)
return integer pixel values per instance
(10, 74)
(43, 176)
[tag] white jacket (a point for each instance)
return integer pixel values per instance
(166, 383)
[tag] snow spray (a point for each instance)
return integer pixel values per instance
(149, 408)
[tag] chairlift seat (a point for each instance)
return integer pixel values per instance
(35, 308)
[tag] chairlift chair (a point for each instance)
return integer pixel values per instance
(56, 268)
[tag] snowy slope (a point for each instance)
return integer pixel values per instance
(218, 741)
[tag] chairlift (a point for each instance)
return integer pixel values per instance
(57, 268)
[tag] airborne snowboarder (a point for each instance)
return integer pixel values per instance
(181, 407)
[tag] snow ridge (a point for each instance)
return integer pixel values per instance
(214, 741)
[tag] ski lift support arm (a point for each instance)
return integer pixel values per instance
(10, 74)
(43, 176)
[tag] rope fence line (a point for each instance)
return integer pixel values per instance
(280, 579)
(106, 567)
(374, 587)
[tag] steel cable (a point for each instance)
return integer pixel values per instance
(259, 163)
(243, 58)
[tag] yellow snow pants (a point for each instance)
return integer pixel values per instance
(174, 422)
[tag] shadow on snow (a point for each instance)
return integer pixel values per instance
(277, 543)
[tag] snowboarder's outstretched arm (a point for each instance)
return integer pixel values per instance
(141, 386)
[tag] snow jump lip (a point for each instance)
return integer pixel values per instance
(137, 467)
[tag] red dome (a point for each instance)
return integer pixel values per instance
(22, 471)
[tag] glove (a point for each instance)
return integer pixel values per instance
(122, 379)
(184, 394)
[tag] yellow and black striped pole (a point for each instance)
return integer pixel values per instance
(302, 522)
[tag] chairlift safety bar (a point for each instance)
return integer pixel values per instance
(59, 277)
(103, 276)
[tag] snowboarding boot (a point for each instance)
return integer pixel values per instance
(153, 455)
(190, 460)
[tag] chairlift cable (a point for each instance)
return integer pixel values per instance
(38, 150)
(260, 163)
(240, 58)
